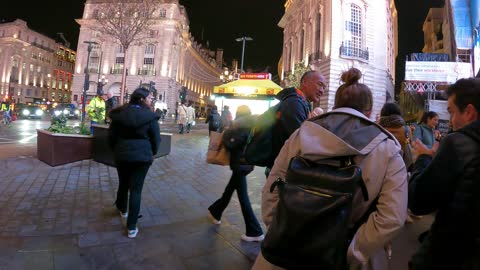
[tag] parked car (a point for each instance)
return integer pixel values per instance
(30, 111)
(67, 110)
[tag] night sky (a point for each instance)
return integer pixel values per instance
(219, 22)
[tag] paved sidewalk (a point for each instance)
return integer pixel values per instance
(64, 218)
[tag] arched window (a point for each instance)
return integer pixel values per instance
(353, 41)
(150, 49)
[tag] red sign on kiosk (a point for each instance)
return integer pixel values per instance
(256, 76)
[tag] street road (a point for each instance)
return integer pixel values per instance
(22, 131)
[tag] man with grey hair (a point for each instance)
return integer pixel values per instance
(110, 104)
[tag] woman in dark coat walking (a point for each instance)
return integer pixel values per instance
(134, 136)
(213, 120)
(234, 139)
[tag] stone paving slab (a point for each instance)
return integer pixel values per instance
(64, 218)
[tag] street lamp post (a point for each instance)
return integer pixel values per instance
(87, 78)
(243, 40)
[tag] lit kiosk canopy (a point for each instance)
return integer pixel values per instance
(249, 86)
(255, 90)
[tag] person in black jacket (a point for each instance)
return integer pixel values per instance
(295, 108)
(447, 180)
(213, 120)
(134, 136)
(235, 139)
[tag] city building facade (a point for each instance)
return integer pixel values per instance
(334, 35)
(171, 60)
(33, 67)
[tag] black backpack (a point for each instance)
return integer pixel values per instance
(215, 122)
(259, 147)
(310, 228)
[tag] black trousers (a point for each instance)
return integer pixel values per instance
(131, 176)
(238, 182)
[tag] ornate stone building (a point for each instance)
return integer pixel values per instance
(171, 59)
(334, 35)
(33, 67)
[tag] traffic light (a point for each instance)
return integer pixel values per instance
(183, 94)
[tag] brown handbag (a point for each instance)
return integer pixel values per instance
(217, 152)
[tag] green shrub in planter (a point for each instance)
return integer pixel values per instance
(59, 125)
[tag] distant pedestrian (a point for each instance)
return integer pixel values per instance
(134, 136)
(235, 139)
(110, 104)
(182, 117)
(190, 116)
(213, 120)
(226, 118)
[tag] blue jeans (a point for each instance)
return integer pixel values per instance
(131, 176)
(91, 126)
(238, 182)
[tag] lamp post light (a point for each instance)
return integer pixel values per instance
(243, 40)
(101, 83)
(226, 76)
(87, 78)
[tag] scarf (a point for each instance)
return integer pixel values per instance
(392, 121)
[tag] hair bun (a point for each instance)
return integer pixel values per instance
(351, 76)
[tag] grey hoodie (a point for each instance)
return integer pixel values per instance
(377, 152)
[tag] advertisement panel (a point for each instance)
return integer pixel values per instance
(440, 107)
(446, 72)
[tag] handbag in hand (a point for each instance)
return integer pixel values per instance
(217, 152)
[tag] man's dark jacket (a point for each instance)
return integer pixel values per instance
(292, 112)
(134, 134)
(450, 183)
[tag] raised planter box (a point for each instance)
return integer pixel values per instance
(103, 154)
(58, 149)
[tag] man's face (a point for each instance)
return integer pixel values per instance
(459, 119)
(313, 87)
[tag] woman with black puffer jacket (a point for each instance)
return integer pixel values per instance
(234, 139)
(134, 136)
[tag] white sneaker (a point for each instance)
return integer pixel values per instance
(252, 238)
(123, 215)
(133, 233)
(213, 219)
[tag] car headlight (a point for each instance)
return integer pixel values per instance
(26, 112)
(66, 112)
(57, 113)
(38, 112)
(77, 112)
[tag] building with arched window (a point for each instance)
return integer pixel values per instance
(171, 59)
(334, 35)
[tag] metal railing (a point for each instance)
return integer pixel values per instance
(354, 52)
(146, 72)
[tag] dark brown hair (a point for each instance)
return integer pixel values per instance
(427, 115)
(352, 94)
(466, 91)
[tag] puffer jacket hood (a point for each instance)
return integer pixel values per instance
(338, 134)
(133, 116)
(286, 93)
